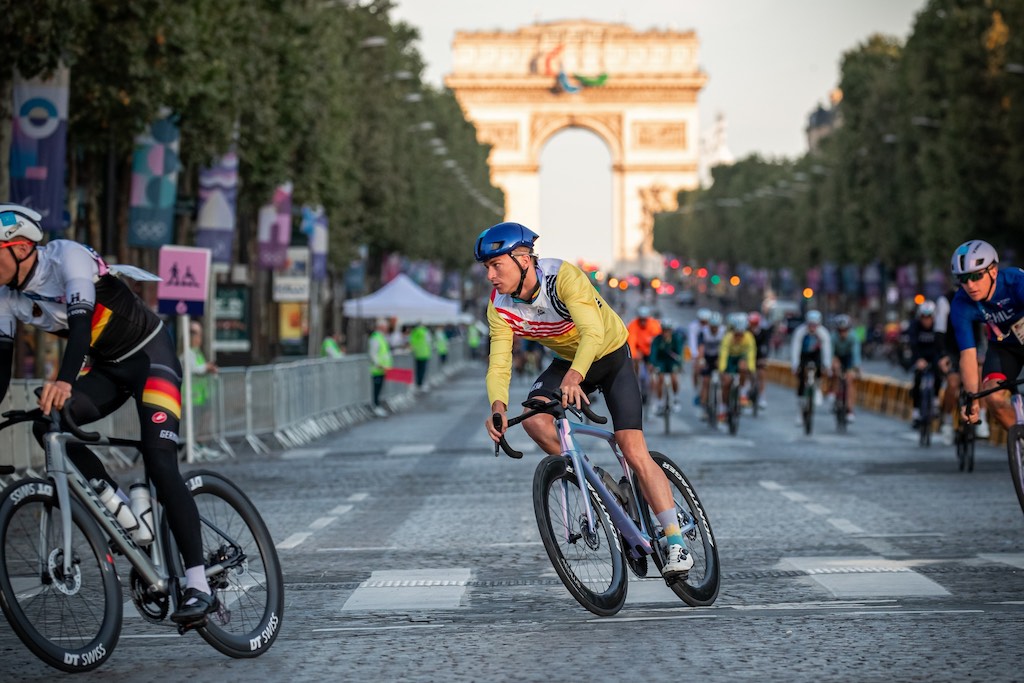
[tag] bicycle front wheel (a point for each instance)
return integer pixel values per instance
(251, 587)
(591, 565)
(1015, 449)
(700, 588)
(70, 620)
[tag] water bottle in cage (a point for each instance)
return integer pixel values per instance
(142, 508)
(117, 507)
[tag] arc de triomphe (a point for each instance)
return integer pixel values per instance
(636, 90)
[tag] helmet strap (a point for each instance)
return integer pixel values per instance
(991, 283)
(522, 277)
(14, 284)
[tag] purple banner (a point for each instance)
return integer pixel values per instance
(218, 190)
(155, 166)
(275, 229)
(38, 144)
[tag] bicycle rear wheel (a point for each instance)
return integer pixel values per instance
(591, 565)
(700, 588)
(71, 622)
(1015, 449)
(251, 588)
(809, 410)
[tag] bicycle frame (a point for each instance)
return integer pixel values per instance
(68, 480)
(638, 538)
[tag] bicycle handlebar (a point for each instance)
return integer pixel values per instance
(62, 420)
(1006, 384)
(536, 406)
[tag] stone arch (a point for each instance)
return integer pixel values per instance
(637, 91)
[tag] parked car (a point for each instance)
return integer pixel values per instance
(686, 297)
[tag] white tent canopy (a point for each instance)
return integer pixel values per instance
(407, 301)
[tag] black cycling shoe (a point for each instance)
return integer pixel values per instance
(201, 605)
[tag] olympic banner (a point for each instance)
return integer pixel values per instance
(38, 145)
(314, 225)
(218, 191)
(274, 229)
(155, 166)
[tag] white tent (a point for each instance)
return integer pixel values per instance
(404, 299)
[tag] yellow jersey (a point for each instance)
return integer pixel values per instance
(745, 346)
(567, 315)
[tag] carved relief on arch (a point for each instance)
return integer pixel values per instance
(607, 125)
(502, 135)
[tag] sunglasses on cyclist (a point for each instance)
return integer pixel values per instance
(971, 277)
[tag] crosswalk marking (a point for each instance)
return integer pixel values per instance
(341, 509)
(411, 589)
(321, 522)
(865, 577)
(304, 453)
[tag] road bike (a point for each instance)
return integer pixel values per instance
(713, 397)
(667, 403)
(964, 438)
(841, 406)
(59, 586)
(592, 527)
(810, 388)
(1014, 435)
(733, 407)
(754, 394)
(926, 402)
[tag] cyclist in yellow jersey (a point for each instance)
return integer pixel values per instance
(553, 302)
(738, 353)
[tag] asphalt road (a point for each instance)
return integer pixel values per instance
(411, 553)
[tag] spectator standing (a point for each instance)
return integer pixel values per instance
(419, 344)
(380, 362)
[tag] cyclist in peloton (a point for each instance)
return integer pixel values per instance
(693, 343)
(738, 353)
(994, 297)
(640, 333)
(811, 342)
(667, 361)
(846, 360)
(763, 339)
(66, 289)
(926, 348)
(708, 347)
(554, 302)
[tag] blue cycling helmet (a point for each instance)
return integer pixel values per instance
(502, 239)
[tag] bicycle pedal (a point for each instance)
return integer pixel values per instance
(198, 623)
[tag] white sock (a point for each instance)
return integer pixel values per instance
(195, 577)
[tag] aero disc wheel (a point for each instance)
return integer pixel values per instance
(591, 565)
(700, 587)
(251, 587)
(70, 621)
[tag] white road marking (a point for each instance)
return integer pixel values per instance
(865, 577)
(441, 588)
(412, 449)
(845, 525)
(817, 509)
(304, 453)
(356, 497)
(294, 540)
(357, 549)
(321, 522)
(375, 628)
(1013, 559)
(341, 509)
(771, 485)
(794, 496)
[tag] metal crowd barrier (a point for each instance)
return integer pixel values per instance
(264, 408)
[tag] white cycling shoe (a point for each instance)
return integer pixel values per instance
(678, 562)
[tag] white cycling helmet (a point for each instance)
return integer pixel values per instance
(926, 308)
(813, 317)
(715, 319)
(703, 314)
(972, 257)
(738, 322)
(20, 221)
(643, 312)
